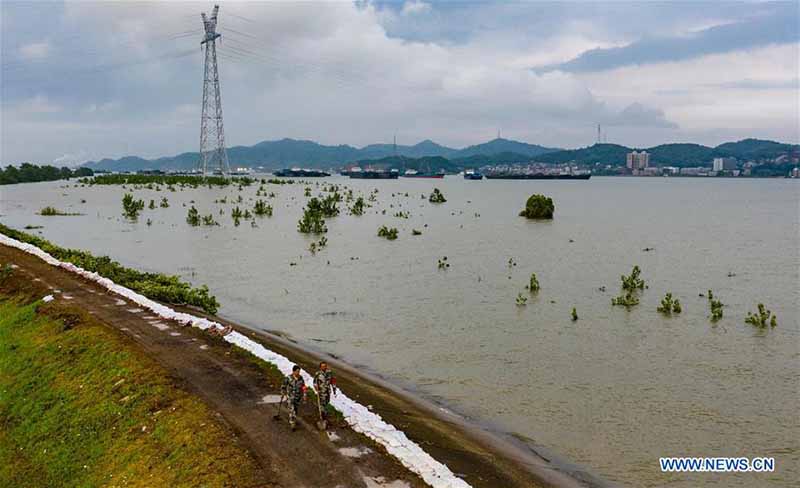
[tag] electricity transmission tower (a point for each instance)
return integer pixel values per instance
(213, 156)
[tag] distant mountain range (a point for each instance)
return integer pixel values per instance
(430, 155)
(309, 154)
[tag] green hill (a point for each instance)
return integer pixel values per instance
(291, 152)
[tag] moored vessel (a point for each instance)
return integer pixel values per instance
(301, 173)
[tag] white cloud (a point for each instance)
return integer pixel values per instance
(715, 91)
(34, 51)
(413, 7)
(40, 104)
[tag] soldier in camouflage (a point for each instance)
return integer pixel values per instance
(294, 389)
(324, 384)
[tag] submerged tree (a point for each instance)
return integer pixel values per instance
(762, 317)
(312, 221)
(538, 207)
(193, 217)
(131, 207)
(533, 285)
(631, 284)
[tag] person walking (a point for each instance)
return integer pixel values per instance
(294, 390)
(324, 384)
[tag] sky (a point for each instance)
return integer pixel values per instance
(86, 80)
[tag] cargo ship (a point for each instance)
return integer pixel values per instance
(412, 173)
(538, 176)
(371, 174)
(301, 173)
(471, 174)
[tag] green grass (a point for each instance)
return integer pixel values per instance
(79, 406)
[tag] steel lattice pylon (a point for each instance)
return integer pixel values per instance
(213, 156)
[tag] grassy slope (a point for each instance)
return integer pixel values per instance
(81, 407)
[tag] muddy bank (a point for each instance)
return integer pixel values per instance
(476, 456)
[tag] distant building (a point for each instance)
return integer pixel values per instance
(724, 164)
(698, 171)
(638, 160)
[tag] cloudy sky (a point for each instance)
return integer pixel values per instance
(87, 80)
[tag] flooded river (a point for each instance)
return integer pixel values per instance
(613, 391)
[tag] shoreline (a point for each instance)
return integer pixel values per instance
(550, 469)
(474, 453)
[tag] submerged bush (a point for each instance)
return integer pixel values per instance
(716, 307)
(358, 206)
(437, 196)
(164, 288)
(52, 211)
(762, 317)
(390, 234)
(262, 209)
(627, 300)
(669, 305)
(538, 207)
(328, 206)
(209, 220)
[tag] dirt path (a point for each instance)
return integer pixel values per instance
(238, 390)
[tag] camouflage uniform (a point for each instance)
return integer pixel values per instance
(324, 382)
(294, 390)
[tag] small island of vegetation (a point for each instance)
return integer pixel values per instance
(538, 207)
(52, 211)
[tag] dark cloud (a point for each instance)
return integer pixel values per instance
(777, 26)
(638, 115)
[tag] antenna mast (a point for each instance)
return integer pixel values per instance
(213, 156)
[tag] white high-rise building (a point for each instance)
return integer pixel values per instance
(638, 160)
(724, 164)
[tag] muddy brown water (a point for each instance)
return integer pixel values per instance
(613, 391)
